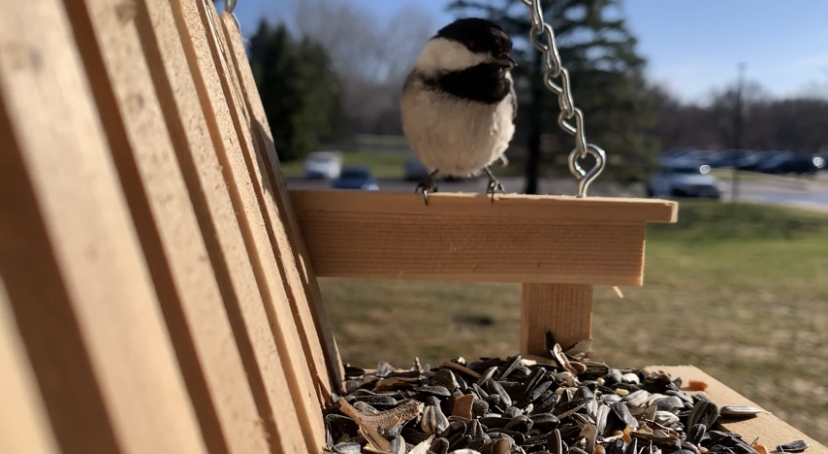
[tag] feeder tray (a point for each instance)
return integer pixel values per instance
(158, 287)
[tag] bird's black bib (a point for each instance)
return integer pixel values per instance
(485, 83)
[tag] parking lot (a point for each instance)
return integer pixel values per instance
(805, 192)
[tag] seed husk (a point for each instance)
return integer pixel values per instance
(736, 411)
(554, 403)
(794, 446)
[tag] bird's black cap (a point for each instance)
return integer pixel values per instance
(478, 35)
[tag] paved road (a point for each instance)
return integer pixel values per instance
(805, 193)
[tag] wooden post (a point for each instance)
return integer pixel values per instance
(563, 309)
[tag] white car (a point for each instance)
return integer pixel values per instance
(323, 164)
(684, 180)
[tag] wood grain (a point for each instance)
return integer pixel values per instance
(366, 235)
(167, 227)
(302, 286)
(232, 151)
(563, 309)
(173, 69)
(24, 423)
(75, 275)
(769, 429)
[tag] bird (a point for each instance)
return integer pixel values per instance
(458, 104)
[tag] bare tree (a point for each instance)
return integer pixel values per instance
(371, 55)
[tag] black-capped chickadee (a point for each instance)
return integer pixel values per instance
(459, 104)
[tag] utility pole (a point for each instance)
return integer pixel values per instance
(738, 122)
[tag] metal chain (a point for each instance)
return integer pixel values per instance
(553, 68)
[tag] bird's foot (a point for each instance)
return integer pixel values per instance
(427, 185)
(494, 185)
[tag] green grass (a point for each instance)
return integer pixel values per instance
(382, 164)
(740, 291)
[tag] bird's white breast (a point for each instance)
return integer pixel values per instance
(455, 136)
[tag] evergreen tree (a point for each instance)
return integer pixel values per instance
(300, 92)
(607, 80)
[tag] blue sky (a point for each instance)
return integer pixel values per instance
(691, 45)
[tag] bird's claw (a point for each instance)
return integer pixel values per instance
(493, 186)
(427, 185)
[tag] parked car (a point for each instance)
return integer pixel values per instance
(684, 180)
(785, 163)
(726, 158)
(323, 165)
(356, 177)
(684, 157)
(414, 170)
(751, 162)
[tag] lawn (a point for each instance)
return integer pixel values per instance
(740, 291)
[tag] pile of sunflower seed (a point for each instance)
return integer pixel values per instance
(558, 403)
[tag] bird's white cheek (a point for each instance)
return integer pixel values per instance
(443, 55)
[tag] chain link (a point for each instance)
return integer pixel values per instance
(552, 68)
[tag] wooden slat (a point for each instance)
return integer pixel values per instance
(301, 280)
(563, 309)
(516, 239)
(230, 149)
(769, 429)
(170, 66)
(79, 286)
(264, 190)
(24, 425)
(167, 226)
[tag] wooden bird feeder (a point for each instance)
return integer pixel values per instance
(158, 287)
(557, 247)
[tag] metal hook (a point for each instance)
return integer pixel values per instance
(585, 178)
(230, 5)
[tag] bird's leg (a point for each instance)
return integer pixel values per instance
(427, 184)
(494, 185)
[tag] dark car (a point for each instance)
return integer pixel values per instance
(355, 178)
(726, 158)
(792, 163)
(751, 162)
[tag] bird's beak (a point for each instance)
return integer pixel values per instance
(506, 61)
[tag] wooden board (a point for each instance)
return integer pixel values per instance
(514, 206)
(518, 238)
(167, 227)
(769, 429)
(77, 281)
(233, 151)
(24, 424)
(171, 67)
(299, 275)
